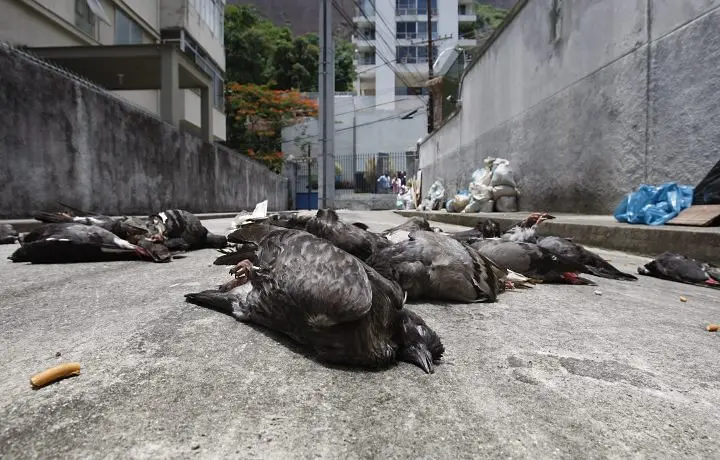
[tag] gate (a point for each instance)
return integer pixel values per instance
(306, 185)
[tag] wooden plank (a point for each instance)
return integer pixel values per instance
(698, 216)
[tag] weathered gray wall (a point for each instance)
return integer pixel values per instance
(62, 140)
(626, 96)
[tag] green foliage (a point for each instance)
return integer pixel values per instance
(259, 52)
(489, 17)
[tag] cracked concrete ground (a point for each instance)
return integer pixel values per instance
(556, 371)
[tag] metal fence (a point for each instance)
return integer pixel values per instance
(360, 173)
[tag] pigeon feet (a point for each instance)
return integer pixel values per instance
(243, 271)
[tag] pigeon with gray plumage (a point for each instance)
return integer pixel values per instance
(532, 261)
(677, 267)
(74, 242)
(325, 299)
(435, 266)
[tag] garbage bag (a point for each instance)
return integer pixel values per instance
(502, 174)
(460, 202)
(506, 204)
(480, 192)
(479, 206)
(654, 205)
(482, 176)
(503, 190)
(436, 191)
(708, 190)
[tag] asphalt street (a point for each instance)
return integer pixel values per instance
(551, 372)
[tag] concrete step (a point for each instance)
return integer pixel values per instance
(702, 243)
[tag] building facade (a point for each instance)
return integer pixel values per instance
(166, 56)
(391, 40)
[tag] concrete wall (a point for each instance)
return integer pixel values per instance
(61, 140)
(622, 96)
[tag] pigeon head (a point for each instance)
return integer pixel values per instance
(417, 343)
(150, 249)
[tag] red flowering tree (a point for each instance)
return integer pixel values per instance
(256, 116)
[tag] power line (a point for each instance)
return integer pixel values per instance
(392, 117)
(387, 26)
(416, 74)
(373, 106)
(383, 58)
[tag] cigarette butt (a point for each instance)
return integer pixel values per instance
(713, 327)
(54, 374)
(683, 299)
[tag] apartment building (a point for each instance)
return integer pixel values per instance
(166, 56)
(391, 40)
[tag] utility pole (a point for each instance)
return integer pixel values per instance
(355, 97)
(326, 121)
(431, 103)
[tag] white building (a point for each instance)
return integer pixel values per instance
(166, 56)
(392, 43)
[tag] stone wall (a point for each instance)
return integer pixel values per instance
(64, 140)
(590, 102)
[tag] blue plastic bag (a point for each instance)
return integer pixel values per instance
(652, 205)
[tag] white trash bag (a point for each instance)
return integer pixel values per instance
(500, 191)
(506, 204)
(502, 174)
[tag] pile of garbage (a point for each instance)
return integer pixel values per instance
(405, 198)
(435, 198)
(493, 188)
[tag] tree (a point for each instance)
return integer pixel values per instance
(344, 65)
(256, 116)
(259, 52)
(266, 69)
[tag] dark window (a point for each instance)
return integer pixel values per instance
(84, 18)
(127, 31)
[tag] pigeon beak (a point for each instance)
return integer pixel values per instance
(420, 356)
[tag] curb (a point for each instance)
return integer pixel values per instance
(701, 243)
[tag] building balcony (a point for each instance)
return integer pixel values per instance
(364, 43)
(463, 18)
(413, 14)
(367, 18)
(366, 70)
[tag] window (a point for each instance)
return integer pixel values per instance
(84, 17)
(406, 30)
(366, 9)
(413, 7)
(422, 6)
(211, 13)
(366, 59)
(413, 30)
(127, 31)
(414, 54)
(422, 30)
(195, 52)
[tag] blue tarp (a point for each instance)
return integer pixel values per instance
(654, 205)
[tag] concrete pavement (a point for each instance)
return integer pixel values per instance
(556, 371)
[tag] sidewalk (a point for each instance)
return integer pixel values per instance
(702, 243)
